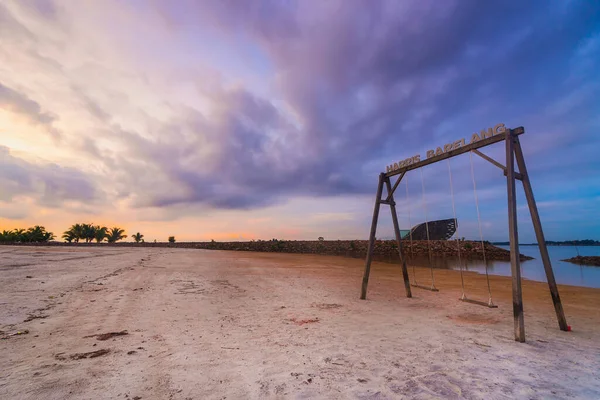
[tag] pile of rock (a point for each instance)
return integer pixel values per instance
(385, 250)
(585, 260)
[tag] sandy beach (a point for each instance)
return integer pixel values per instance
(201, 324)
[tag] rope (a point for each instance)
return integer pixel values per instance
(462, 281)
(487, 276)
(427, 227)
(410, 234)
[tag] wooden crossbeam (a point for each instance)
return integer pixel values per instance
(461, 150)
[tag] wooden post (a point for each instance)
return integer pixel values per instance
(515, 262)
(539, 233)
(365, 282)
(392, 204)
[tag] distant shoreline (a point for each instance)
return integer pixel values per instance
(550, 244)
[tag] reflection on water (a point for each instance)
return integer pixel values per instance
(566, 273)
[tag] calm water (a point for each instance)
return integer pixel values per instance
(566, 273)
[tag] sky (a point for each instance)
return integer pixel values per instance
(240, 120)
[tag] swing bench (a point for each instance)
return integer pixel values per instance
(432, 288)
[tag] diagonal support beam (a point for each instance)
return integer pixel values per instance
(393, 189)
(539, 233)
(496, 163)
(490, 159)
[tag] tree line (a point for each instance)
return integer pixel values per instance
(76, 233)
(90, 232)
(35, 234)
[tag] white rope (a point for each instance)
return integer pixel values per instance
(487, 277)
(427, 227)
(462, 281)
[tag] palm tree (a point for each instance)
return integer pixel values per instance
(35, 234)
(74, 233)
(7, 236)
(38, 234)
(138, 237)
(88, 232)
(48, 236)
(19, 235)
(69, 236)
(115, 234)
(100, 233)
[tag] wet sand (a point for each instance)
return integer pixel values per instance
(216, 324)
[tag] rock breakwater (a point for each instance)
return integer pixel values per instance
(585, 260)
(385, 250)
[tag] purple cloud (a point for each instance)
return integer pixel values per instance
(369, 80)
(49, 184)
(19, 103)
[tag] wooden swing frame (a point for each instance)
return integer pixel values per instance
(513, 153)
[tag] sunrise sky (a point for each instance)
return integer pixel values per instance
(237, 120)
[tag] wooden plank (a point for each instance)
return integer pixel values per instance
(539, 233)
(515, 262)
(430, 288)
(453, 153)
(398, 237)
(391, 192)
(478, 302)
(490, 159)
(496, 163)
(365, 281)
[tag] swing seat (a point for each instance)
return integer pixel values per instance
(430, 288)
(488, 304)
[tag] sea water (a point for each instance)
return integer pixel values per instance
(566, 273)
